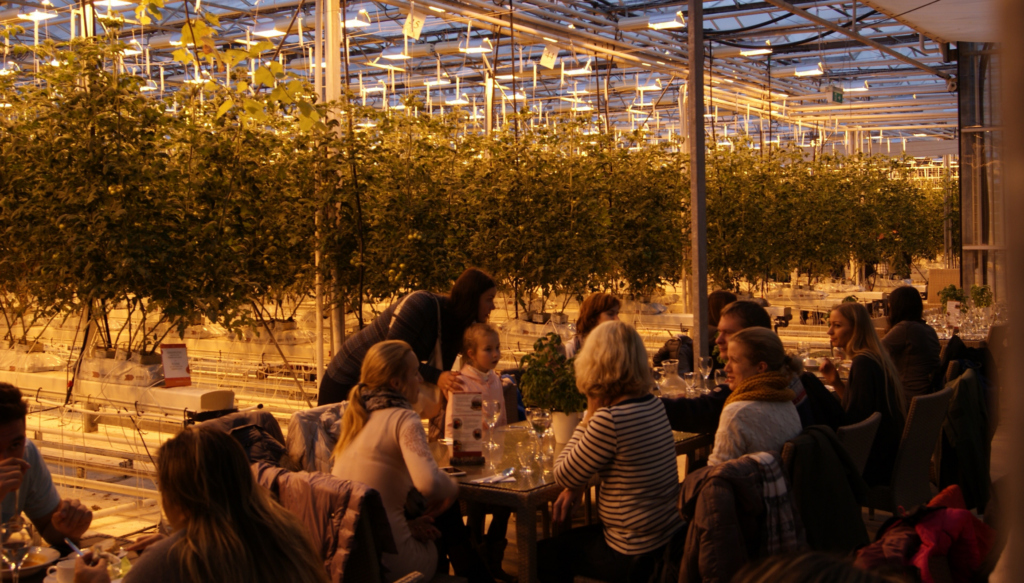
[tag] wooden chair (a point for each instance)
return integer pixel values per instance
(859, 437)
(910, 485)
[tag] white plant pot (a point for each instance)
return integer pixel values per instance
(564, 424)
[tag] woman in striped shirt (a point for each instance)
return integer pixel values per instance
(624, 438)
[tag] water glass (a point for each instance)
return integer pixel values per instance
(721, 378)
(492, 412)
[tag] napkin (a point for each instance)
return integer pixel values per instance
(494, 479)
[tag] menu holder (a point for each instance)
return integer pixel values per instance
(176, 370)
(953, 314)
(467, 428)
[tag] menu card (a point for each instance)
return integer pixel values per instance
(953, 314)
(467, 424)
(176, 370)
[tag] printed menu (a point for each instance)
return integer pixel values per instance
(176, 370)
(467, 424)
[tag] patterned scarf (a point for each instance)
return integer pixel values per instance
(374, 400)
(767, 386)
(784, 534)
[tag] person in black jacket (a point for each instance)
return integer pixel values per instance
(430, 323)
(874, 385)
(813, 401)
(913, 345)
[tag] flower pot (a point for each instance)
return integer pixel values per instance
(103, 352)
(564, 424)
(540, 318)
(559, 318)
(150, 359)
(283, 325)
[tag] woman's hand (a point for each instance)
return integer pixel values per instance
(830, 375)
(423, 529)
(449, 382)
(94, 574)
(564, 505)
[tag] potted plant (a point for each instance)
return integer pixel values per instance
(549, 381)
(951, 293)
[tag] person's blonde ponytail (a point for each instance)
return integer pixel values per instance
(383, 362)
(353, 420)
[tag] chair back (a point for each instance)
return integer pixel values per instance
(312, 434)
(858, 439)
(910, 485)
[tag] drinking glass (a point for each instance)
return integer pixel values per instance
(492, 412)
(540, 420)
(690, 380)
(17, 536)
(721, 378)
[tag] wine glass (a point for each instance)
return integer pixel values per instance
(540, 419)
(16, 539)
(492, 412)
(707, 367)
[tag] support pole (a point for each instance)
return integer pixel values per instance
(698, 218)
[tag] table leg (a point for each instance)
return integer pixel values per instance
(526, 543)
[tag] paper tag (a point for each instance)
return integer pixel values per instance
(953, 313)
(467, 424)
(414, 24)
(550, 56)
(176, 370)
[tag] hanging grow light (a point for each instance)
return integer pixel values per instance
(459, 100)
(149, 85)
(475, 46)
(360, 19)
(666, 21)
(9, 69)
(38, 14)
(726, 52)
(273, 29)
(386, 66)
(395, 53)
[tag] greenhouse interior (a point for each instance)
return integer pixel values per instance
(221, 214)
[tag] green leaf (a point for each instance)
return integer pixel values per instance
(259, 48)
(277, 69)
(234, 56)
(182, 55)
(211, 18)
(224, 108)
(263, 77)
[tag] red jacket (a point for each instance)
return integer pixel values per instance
(944, 529)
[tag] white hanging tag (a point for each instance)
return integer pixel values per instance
(413, 23)
(549, 57)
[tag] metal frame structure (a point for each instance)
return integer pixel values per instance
(610, 61)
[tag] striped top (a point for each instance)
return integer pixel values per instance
(630, 445)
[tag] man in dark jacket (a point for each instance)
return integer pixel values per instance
(814, 403)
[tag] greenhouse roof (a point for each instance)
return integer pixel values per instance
(772, 67)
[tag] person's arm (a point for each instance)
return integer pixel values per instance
(730, 441)
(70, 520)
(590, 450)
(426, 477)
(698, 414)
(866, 378)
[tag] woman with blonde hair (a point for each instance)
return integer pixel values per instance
(874, 385)
(759, 414)
(383, 445)
(626, 439)
(227, 528)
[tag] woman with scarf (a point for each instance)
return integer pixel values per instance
(759, 415)
(382, 444)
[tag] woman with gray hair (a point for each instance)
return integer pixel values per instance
(626, 439)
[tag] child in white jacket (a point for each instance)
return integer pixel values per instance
(482, 351)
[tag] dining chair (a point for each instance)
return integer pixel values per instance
(858, 439)
(910, 485)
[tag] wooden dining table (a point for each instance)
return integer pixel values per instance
(531, 491)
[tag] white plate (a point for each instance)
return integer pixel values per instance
(51, 557)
